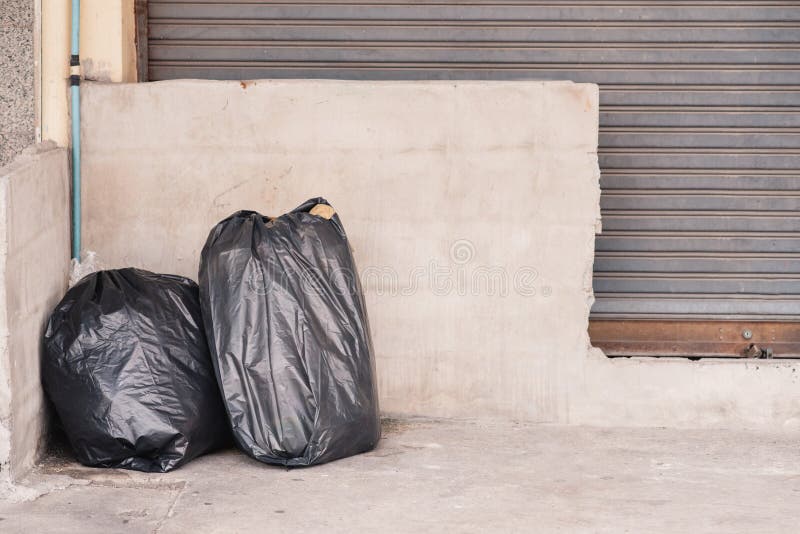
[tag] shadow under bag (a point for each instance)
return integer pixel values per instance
(289, 336)
(127, 368)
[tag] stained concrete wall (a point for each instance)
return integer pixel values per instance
(472, 208)
(34, 260)
(17, 113)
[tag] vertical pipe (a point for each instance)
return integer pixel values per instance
(75, 80)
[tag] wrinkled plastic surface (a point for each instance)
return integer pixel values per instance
(127, 367)
(289, 336)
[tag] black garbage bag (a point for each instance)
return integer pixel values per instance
(127, 368)
(288, 331)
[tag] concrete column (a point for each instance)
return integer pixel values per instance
(34, 262)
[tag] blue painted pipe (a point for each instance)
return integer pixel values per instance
(75, 80)
(76, 23)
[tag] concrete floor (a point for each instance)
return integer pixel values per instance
(449, 476)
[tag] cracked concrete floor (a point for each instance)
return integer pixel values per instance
(449, 476)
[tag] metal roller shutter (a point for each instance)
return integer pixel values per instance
(700, 125)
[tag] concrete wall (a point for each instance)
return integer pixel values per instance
(17, 113)
(441, 186)
(34, 261)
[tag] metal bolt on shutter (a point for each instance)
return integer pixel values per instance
(699, 140)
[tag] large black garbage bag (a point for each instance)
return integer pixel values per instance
(289, 337)
(127, 368)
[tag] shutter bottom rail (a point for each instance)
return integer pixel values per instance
(696, 339)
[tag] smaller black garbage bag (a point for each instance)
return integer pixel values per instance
(289, 336)
(127, 368)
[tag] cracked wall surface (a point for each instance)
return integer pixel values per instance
(472, 208)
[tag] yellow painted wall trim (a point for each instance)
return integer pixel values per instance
(108, 53)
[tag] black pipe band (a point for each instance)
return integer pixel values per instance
(74, 80)
(74, 60)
